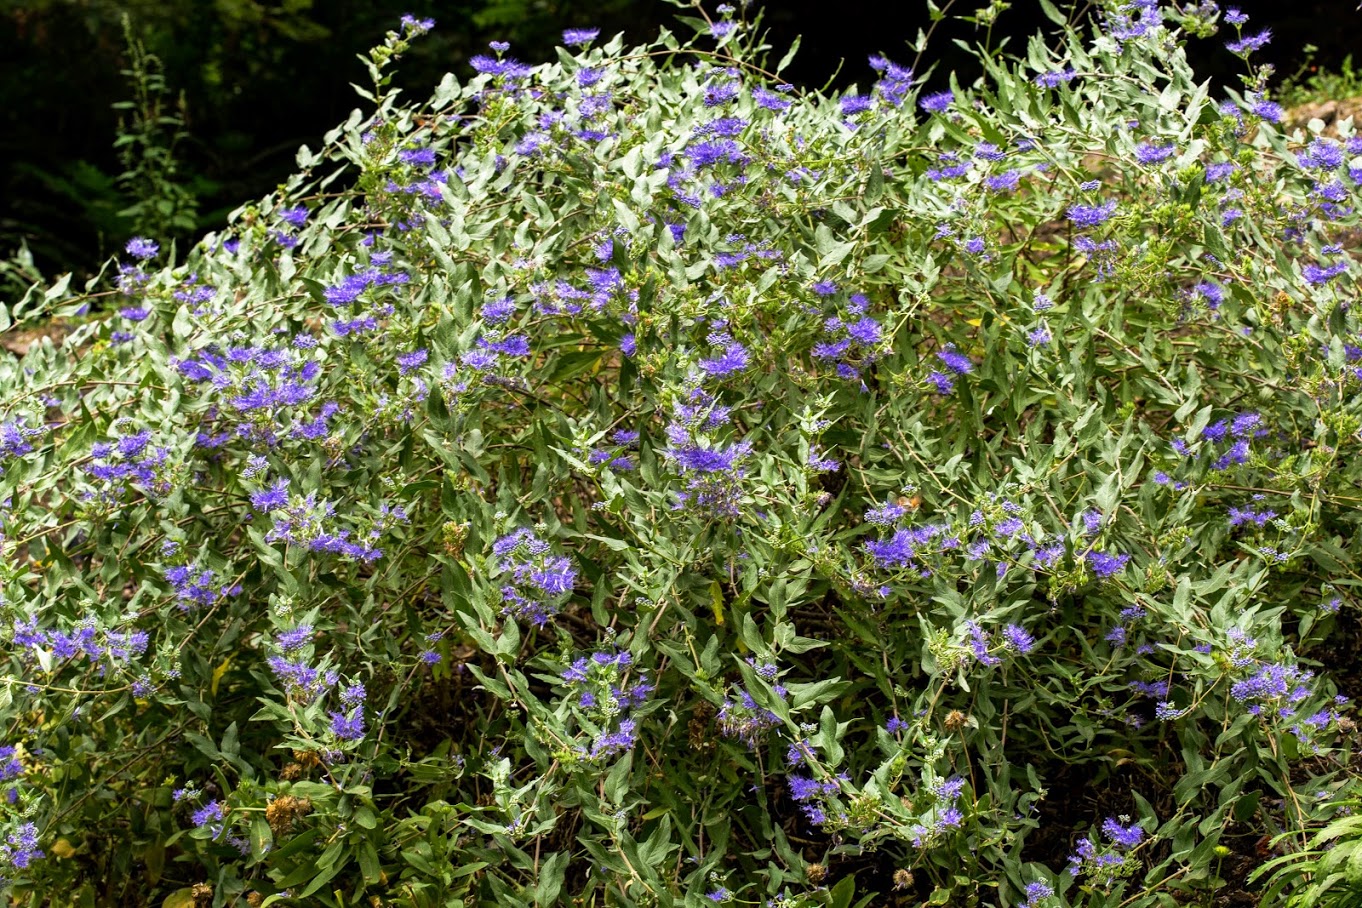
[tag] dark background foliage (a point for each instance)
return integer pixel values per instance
(252, 80)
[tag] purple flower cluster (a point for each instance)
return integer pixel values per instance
(731, 357)
(711, 152)
(198, 586)
(130, 461)
(1132, 20)
(1211, 293)
(142, 248)
(1151, 153)
(746, 251)
(904, 547)
(537, 580)
(895, 80)
(1006, 181)
(938, 102)
(604, 286)
(1123, 837)
(413, 27)
(1087, 216)
(978, 644)
(410, 362)
(16, 437)
(814, 796)
(1000, 533)
(712, 164)
(771, 100)
(820, 464)
(856, 104)
(293, 219)
(1247, 44)
(1229, 441)
(1105, 566)
(1321, 154)
(266, 393)
(295, 638)
(604, 689)
(349, 289)
(1265, 109)
(308, 521)
(424, 183)
(853, 338)
(499, 311)
(956, 363)
(210, 817)
(1056, 77)
(86, 640)
(1277, 692)
(1217, 172)
(20, 848)
(580, 37)
(1018, 640)
(11, 767)
(506, 71)
(1240, 516)
(1102, 254)
(724, 87)
(131, 276)
(742, 718)
(582, 126)
(300, 678)
(347, 723)
(1103, 863)
(1154, 690)
(712, 472)
(1271, 683)
(944, 816)
(616, 459)
(1316, 274)
(489, 351)
(1036, 893)
(952, 167)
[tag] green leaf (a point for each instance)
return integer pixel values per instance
(550, 883)
(843, 892)
(368, 863)
(874, 188)
(325, 875)
(261, 837)
(1247, 806)
(1053, 14)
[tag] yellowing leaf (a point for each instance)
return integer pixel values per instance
(63, 848)
(155, 859)
(180, 898)
(218, 673)
(716, 602)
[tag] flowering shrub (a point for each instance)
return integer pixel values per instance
(628, 480)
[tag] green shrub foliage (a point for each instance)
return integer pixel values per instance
(627, 480)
